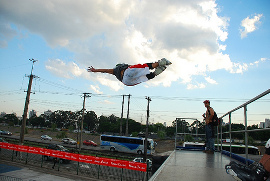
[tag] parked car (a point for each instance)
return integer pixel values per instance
(59, 148)
(69, 141)
(45, 137)
(141, 161)
(89, 143)
(6, 133)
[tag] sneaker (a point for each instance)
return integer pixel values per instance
(159, 70)
(164, 62)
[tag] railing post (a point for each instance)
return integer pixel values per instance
(26, 158)
(246, 133)
(218, 140)
(42, 158)
(230, 132)
(221, 135)
(78, 165)
(175, 133)
(12, 155)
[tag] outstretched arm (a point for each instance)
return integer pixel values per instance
(92, 69)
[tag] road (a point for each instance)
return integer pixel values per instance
(38, 140)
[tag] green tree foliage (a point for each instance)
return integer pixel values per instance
(37, 121)
(111, 124)
(161, 134)
(189, 138)
(10, 119)
(91, 120)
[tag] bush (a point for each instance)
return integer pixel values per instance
(250, 140)
(161, 134)
(53, 126)
(189, 138)
(134, 134)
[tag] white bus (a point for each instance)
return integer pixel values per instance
(126, 144)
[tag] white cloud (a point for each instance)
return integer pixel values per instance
(249, 25)
(104, 33)
(71, 70)
(96, 89)
(6, 33)
(106, 102)
(239, 68)
(211, 81)
(196, 86)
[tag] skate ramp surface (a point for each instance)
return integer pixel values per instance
(193, 165)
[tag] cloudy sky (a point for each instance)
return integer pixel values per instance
(219, 51)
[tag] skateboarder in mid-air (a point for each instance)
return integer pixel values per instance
(131, 75)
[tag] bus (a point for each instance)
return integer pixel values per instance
(126, 144)
(240, 149)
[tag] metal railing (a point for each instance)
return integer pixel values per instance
(244, 106)
(8, 178)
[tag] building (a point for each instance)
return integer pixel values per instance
(32, 113)
(267, 123)
(262, 125)
(2, 114)
(48, 113)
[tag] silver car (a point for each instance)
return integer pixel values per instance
(69, 141)
(45, 137)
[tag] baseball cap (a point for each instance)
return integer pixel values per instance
(267, 145)
(206, 101)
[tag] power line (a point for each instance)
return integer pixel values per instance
(58, 85)
(11, 67)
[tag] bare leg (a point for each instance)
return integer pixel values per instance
(155, 65)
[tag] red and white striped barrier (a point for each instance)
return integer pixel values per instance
(77, 157)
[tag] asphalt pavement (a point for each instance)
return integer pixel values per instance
(12, 171)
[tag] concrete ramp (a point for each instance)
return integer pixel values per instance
(193, 165)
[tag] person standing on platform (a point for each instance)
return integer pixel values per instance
(209, 128)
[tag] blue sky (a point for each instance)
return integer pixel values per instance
(219, 51)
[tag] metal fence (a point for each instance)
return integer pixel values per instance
(228, 115)
(246, 131)
(72, 167)
(8, 178)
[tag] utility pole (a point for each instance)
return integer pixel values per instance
(146, 129)
(122, 116)
(27, 103)
(127, 115)
(84, 96)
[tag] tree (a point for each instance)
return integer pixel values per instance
(37, 121)
(170, 131)
(91, 120)
(11, 119)
(103, 124)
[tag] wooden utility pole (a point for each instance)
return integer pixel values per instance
(146, 129)
(27, 103)
(127, 115)
(84, 96)
(121, 131)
